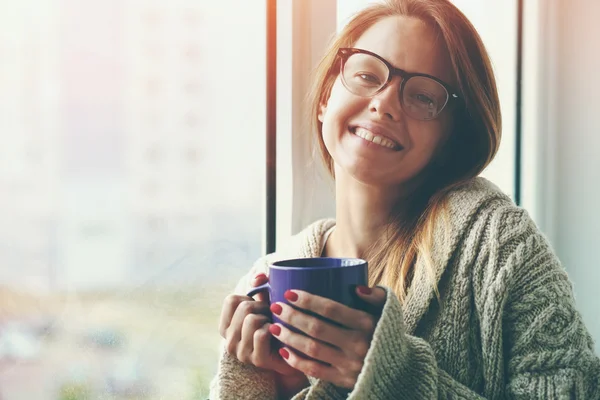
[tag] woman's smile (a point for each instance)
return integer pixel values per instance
(374, 140)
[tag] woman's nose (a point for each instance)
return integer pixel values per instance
(386, 104)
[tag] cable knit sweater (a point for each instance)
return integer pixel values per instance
(506, 327)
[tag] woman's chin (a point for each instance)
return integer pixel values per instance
(365, 175)
(369, 172)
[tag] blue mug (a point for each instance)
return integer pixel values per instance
(333, 278)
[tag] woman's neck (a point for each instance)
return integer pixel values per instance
(362, 213)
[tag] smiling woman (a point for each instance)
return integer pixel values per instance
(421, 96)
(468, 299)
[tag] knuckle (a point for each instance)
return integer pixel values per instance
(314, 371)
(231, 348)
(254, 321)
(231, 301)
(243, 355)
(361, 348)
(355, 366)
(246, 307)
(313, 349)
(261, 335)
(260, 360)
(367, 323)
(315, 329)
(329, 310)
(348, 382)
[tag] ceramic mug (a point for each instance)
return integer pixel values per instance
(333, 278)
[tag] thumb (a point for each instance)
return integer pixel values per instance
(258, 280)
(375, 296)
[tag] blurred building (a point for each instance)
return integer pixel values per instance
(165, 106)
(128, 158)
(93, 129)
(30, 151)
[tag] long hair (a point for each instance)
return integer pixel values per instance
(472, 144)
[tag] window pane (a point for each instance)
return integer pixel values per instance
(132, 176)
(497, 26)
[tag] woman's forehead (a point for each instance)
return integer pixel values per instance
(410, 44)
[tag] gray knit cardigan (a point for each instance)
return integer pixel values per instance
(506, 327)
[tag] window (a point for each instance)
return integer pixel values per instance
(497, 26)
(149, 182)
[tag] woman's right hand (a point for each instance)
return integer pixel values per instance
(244, 324)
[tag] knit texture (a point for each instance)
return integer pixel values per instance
(506, 327)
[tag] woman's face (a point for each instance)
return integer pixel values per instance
(410, 45)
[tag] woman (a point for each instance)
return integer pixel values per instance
(472, 301)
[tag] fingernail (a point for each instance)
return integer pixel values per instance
(259, 276)
(284, 353)
(364, 290)
(291, 296)
(276, 309)
(275, 330)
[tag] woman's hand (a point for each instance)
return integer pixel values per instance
(244, 324)
(340, 350)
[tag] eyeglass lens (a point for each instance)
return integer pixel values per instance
(422, 98)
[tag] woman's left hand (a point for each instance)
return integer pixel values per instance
(339, 349)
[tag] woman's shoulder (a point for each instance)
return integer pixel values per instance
(487, 222)
(475, 195)
(479, 201)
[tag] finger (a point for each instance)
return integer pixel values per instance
(251, 324)
(258, 280)
(375, 296)
(262, 346)
(246, 307)
(230, 304)
(332, 310)
(313, 326)
(311, 347)
(315, 369)
(265, 357)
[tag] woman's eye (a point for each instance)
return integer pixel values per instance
(423, 98)
(369, 78)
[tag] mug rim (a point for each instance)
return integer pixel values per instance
(351, 262)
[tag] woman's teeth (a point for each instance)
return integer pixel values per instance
(368, 135)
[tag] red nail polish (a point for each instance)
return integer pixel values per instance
(276, 309)
(364, 290)
(284, 353)
(260, 276)
(291, 296)
(275, 330)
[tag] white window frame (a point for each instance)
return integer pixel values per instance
(539, 155)
(304, 191)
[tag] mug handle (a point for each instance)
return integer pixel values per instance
(258, 289)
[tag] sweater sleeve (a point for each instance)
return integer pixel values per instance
(397, 366)
(548, 351)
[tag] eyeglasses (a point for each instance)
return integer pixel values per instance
(365, 74)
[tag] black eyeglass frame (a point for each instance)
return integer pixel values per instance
(345, 52)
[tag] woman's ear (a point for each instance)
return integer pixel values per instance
(322, 111)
